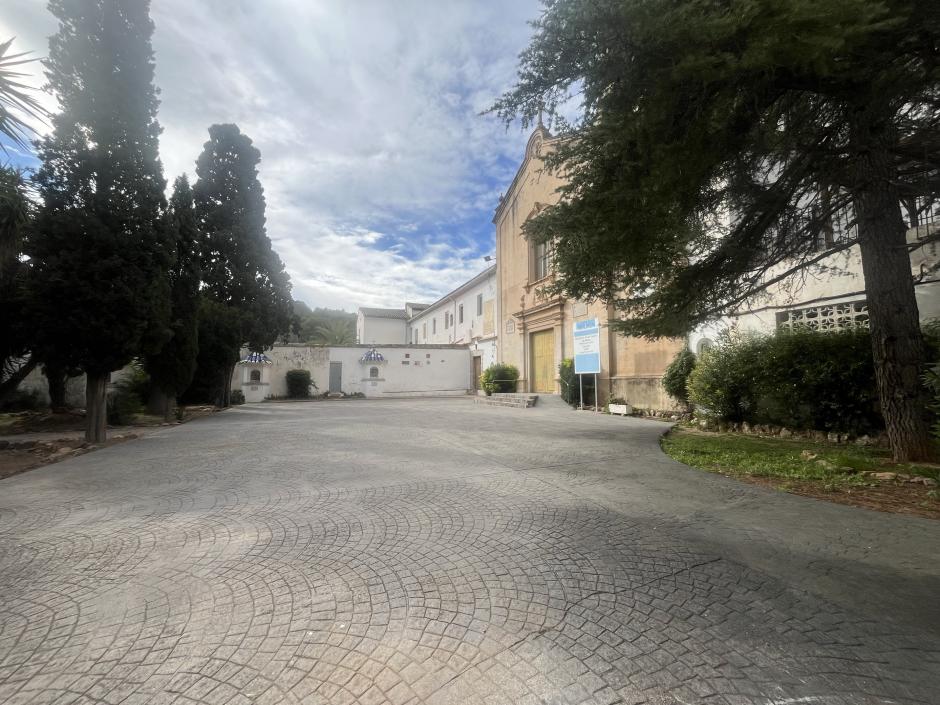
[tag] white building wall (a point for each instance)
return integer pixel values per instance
(407, 371)
(477, 328)
(380, 331)
(838, 280)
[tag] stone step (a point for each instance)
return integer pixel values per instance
(518, 401)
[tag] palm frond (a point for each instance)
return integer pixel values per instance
(18, 103)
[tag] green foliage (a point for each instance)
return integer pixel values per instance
(571, 387)
(800, 380)
(499, 378)
(733, 454)
(15, 327)
(932, 383)
(237, 397)
(127, 398)
(239, 267)
(219, 341)
(298, 384)
(17, 100)
(99, 295)
(754, 109)
(676, 376)
(173, 367)
(321, 325)
(337, 331)
(22, 400)
(795, 116)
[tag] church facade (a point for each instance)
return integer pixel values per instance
(536, 329)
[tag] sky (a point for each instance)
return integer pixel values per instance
(380, 174)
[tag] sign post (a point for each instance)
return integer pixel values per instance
(587, 353)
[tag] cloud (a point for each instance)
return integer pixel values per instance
(380, 174)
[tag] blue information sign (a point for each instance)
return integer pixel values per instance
(587, 347)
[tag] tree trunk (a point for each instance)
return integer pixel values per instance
(56, 379)
(96, 407)
(157, 402)
(227, 388)
(897, 341)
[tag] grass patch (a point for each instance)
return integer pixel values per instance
(733, 454)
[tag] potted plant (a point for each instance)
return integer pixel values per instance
(618, 405)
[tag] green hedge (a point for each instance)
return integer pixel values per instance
(298, 384)
(800, 380)
(676, 376)
(570, 387)
(499, 378)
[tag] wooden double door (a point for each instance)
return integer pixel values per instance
(542, 363)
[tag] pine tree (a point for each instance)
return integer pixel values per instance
(100, 294)
(718, 142)
(171, 369)
(240, 269)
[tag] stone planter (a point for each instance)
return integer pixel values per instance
(622, 409)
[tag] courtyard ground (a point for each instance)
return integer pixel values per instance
(434, 551)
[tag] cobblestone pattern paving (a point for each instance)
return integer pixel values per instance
(382, 552)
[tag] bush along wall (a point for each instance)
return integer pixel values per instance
(570, 388)
(298, 384)
(800, 380)
(676, 376)
(499, 378)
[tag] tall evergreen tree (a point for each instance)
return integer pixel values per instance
(101, 296)
(171, 369)
(787, 114)
(240, 269)
(15, 340)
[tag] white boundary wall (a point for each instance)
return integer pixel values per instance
(408, 370)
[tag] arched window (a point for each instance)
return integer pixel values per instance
(255, 376)
(373, 372)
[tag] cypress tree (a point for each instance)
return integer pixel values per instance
(241, 271)
(101, 297)
(171, 370)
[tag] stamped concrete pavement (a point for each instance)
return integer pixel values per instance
(433, 551)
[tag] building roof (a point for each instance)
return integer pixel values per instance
(384, 312)
(255, 358)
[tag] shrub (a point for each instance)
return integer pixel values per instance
(236, 397)
(677, 374)
(571, 387)
(23, 400)
(499, 378)
(298, 384)
(126, 400)
(801, 380)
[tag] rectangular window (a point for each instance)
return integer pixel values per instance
(479, 304)
(433, 326)
(446, 320)
(424, 331)
(460, 314)
(542, 260)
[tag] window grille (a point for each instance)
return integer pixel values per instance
(830, 317)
